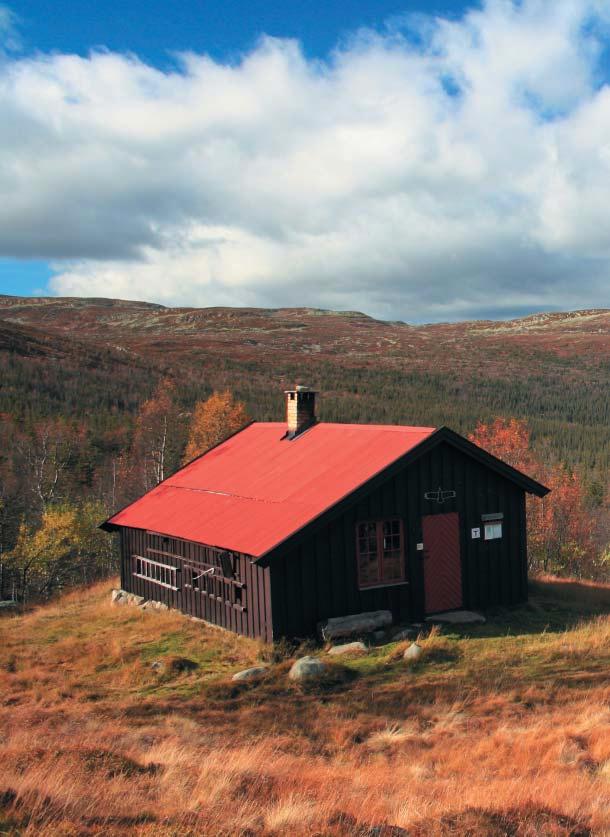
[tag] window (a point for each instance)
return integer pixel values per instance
(195, 578)
(226, 564)
(380, 551)
(492, 531)
(162, 574)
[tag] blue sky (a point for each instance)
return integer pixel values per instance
(154, 28)
(417, 160)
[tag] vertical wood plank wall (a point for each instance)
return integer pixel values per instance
(318, 578)
(255, 618)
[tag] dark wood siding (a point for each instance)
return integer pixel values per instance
(317, 577)
(242, 605)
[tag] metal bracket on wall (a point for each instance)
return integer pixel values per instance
(439, 495)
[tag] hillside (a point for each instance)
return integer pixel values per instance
(582, 337)
(78, 356)
(501, 730)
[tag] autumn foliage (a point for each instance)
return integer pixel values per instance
(213, 421)
(560, 526)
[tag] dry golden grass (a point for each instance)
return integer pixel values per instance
(501, 730)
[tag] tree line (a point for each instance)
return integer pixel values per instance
(82, 435)
(52, 500)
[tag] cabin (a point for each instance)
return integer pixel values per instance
(286, 524)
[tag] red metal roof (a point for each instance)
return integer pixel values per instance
(256, 489)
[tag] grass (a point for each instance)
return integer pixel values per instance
(500, 729)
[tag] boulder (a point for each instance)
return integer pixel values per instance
(179, 665)
(458, 617)
(354, 625)
(151, 605)
(250, 673)
(405, 633)
(348, 648)
(122, 597)
(307, 668)
(413, 652)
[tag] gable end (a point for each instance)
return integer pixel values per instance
(443, 434)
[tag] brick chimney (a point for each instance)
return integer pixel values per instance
(300, 410)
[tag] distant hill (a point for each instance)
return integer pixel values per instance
(578, 340)
(553, 369)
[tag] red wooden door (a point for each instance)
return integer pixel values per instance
(442, 564)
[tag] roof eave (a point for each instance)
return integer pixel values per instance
(108, 526)
(503, 468)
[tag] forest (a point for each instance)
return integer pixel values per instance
(86, 426)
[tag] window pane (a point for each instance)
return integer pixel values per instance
(493, 531)
(368, 559)
(392, 566)
(393, 558)
(369, 569)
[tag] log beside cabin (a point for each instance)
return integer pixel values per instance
(285, 525)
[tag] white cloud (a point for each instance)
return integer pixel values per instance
(461, 172)
(9, 34)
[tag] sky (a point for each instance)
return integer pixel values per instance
(422, 161)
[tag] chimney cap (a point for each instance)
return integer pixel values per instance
(300, 388)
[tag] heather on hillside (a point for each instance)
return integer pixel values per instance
(501, 729)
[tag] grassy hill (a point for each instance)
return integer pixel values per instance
(96, 359)
(503, 729)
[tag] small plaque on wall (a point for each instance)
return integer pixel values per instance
(476, 533)
(420, 547)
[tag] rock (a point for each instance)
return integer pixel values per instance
(405, 633)
(379, 636)
(307, 668)
(413, 652)
(250, 673)
(178, 665)
(356, 624)
(157, 665)
(458, 617)
(150, 605)
(348, 648)
(122, 597)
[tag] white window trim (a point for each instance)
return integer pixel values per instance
(148, 562)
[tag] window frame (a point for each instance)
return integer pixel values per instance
(379, 536)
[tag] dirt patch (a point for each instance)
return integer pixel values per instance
(115, 764)
(529, 821)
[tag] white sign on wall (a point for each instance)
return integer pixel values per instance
(476, 533)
